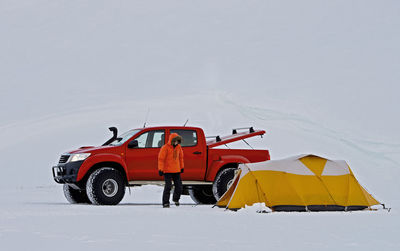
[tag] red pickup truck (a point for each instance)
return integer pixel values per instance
(99, 175)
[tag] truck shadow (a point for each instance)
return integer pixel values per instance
(120, 204)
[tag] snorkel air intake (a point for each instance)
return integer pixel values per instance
(114, 137)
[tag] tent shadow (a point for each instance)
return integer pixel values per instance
(153, 204)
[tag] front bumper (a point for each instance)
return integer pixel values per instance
(66, 172)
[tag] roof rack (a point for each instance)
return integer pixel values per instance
(217, 138)
(217, 141)
(251, 129)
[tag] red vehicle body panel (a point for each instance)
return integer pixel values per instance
(99, 158)
(202, 161)
(221, 157)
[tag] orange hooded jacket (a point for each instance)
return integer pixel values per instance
(170, 159)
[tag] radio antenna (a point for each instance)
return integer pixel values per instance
(186, 122)
(147, 116)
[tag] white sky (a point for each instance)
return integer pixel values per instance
(70, 69)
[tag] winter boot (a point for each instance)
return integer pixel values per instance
(165, 205)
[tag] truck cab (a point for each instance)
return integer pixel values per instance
(142, 159)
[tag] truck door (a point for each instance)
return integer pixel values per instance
(194, 154)
(142, 161)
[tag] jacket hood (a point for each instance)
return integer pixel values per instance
(172, 136)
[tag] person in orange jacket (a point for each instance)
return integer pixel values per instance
(170, 164)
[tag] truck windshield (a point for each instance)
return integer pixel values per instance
(124, 137)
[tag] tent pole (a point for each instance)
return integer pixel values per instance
(258, 195)
(301, 198)
(385, 208)
(330, 195)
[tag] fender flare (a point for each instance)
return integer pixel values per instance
(224, 160)
(98, 158)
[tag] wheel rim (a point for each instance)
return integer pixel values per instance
(229, 184)
(110, 187)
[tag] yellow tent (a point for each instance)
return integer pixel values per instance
(302, 183)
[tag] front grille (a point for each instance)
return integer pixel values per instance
(63, 158)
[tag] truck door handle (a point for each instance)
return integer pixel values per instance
(197, 153)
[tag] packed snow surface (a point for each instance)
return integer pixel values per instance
(320, 77)
(41, 219)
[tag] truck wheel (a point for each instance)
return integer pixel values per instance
(223, 181)
(75, 196)
(202, 194)
(105, 186)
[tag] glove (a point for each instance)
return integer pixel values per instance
(182, 170)
(161, 173)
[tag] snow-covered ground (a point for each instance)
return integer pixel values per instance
(320, 77)
(40, 219)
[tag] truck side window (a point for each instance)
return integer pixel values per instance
(158, 139)
(142, 139)
(151, 139)
(189, 137)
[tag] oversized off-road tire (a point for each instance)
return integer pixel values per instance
(223, 181)
(75, 196)
(105, 186)
(202, 194)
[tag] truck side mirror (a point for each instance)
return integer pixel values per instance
(133, 144)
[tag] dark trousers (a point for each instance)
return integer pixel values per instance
(168, 177)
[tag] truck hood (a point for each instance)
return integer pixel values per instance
(90, 149)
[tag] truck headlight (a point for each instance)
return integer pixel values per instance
(78, 157)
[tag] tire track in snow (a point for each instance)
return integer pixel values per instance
(307, 125)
